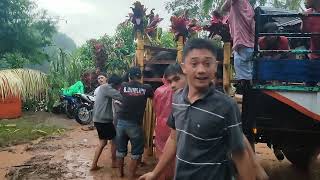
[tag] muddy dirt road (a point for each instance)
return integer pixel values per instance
(69, 157)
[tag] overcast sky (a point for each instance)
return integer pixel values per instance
(86, 19)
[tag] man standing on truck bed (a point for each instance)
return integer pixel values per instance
(312, 25)
(273, 42)
(241, 20)
(206, 136)
(130, 119)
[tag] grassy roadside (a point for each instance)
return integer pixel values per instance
(22, 130)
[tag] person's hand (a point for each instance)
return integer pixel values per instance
(304, 14)
(148, 176)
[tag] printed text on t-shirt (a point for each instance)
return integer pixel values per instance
(134, 91)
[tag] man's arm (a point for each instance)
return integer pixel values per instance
(237, 144)
(260, 172)
(167, 157)
(243, 164)
(111, 92)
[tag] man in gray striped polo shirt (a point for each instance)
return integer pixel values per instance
(206, 135)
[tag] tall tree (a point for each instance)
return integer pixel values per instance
(23, 31)
(118, 50)
(178, 8)
(63, 41)
(208, 5)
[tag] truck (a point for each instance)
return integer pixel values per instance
(281, 108)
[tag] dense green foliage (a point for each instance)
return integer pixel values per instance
(200, 9)
(26, 129)
(29, 39)
(119, 49)
(23, 33)
(178, 7)
(167, 40)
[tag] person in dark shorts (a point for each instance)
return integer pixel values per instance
(206, 136)
(130, 117)
(102, 79)
(103, 119)
(115, 81)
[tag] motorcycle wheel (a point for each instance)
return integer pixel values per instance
(84, 114)
(69, 111)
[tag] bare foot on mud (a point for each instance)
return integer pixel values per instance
(89, 128)
(121, 173)
(134, 177)
(142, 163)
(114, 165)
(95, 168)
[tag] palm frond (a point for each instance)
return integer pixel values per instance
(207, 5)
(25, 83)
(293, 4)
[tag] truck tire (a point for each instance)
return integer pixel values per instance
(300, 157)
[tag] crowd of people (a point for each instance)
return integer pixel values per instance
(117, 115)
(206, 138)
(198, 132)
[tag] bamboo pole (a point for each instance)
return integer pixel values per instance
(149, 117)
(148, 127)
(147, 41)
(227, 67)
(180, 45)
(140, 52)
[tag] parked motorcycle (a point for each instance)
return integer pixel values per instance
(69, 105)
(84, 111)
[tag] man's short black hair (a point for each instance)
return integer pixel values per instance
(270, 27)
(134, 73)
(198, 43)
(172, 69)
(115, 80)
(103, 74)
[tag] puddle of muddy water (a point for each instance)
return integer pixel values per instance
(78, 163)
(38, 167)
(12, 158)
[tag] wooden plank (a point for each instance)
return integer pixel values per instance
(227, 67)
(154, 48)
(231, 81)
(180, 45)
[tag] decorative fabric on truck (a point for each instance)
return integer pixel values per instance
(287, 70)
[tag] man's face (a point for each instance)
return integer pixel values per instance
(200, 68)
(176, 81)
(102, 79)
